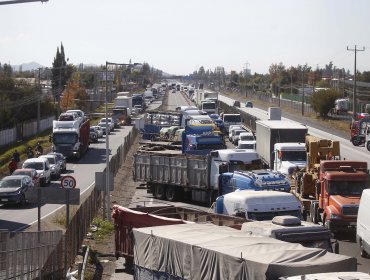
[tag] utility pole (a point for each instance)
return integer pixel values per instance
(355, 78)
(38, 103)
(302, 92)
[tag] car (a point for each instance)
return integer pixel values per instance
(248, 145)
(110, 123)
(93, 135)
(62, 161)
(99, 130)
(248, 104)
(236, 103)
(235, 135)
(13, 189)
(233, 127)
(55, 168)
(173, 91)
(103, 127)
(29, 172)
(42, 167)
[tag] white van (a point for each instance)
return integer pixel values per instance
(363, 224)
(42, 167)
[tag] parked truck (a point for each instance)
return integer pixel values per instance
(292, 229)
(329, 189)
(261, 179)
(71, 138)
(171, 175)
(124, 101)
(207, 251)
(285, 157)
(258, 205)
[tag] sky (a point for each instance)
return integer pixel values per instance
(178, 37)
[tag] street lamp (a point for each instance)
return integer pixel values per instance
(107, 171)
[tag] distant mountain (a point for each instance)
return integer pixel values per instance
(27, 66)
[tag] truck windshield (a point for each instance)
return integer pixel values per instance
(294, 156)
(215, 146)
(65, 138)
(209, 105)
(232, 118)
(346, 187)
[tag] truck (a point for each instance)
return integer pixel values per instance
(359, 128)
(208, 251)
(291, 229)
(154, 121)
(138, 101)
(258, 205)
(273, 131)
(71, 138)
(207, 101)
(171, 175)
(341, 106)
(124, 101)
(231, 119)
(121, 116)
(126, 219)
(330, 189)
(261, 179)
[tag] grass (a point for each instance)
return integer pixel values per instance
(104, 228)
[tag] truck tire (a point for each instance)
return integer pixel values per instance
(363, 253)
(368, 145)
(160, 192)
(172, 193)
(313, 213)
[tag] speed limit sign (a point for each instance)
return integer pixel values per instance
(68, 182)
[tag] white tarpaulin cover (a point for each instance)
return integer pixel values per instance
(207, 251)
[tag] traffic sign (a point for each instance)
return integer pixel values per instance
(68, 182)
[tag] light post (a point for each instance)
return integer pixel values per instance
(302, 93)
(107, 169)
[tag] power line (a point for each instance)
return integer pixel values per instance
(20, 2)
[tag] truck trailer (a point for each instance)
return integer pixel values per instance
(171, 175)
(271, 132)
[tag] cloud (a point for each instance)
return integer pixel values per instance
(20, 37)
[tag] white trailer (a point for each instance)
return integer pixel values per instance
(124, 101)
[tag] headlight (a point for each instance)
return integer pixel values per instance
(52, 168)
(42, 174)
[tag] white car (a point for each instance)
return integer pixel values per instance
(42, 167)
(233, 127)
(110, 123)
(247, 145)
(99, 130)
(235, 135)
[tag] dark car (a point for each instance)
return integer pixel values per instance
(29, 172)
(13, 189)
(236, 103)
(248, 104)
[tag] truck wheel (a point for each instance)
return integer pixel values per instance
(363, 253)
(172, 193)
(368, 145)
(159, 192)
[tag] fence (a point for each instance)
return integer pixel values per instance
(31, 255)
(24, 130)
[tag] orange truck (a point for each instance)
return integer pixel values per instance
(330, 189)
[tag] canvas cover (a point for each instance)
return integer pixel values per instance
(206, 251)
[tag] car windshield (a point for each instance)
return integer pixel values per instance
(51, 160)
(34, 165)
(247, 146)
(247, 137)
(11, 183)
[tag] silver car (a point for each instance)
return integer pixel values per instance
(55, 168)
(62, 161)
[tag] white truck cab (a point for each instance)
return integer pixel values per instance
(289, 156)
(258, 205)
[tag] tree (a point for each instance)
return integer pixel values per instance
(61, 72)
(75, 95)
(323, 101)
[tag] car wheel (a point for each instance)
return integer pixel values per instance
(22, 201)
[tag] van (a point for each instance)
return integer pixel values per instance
(363, 224)
(42, 167)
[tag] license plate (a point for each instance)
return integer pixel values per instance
(4, 199)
